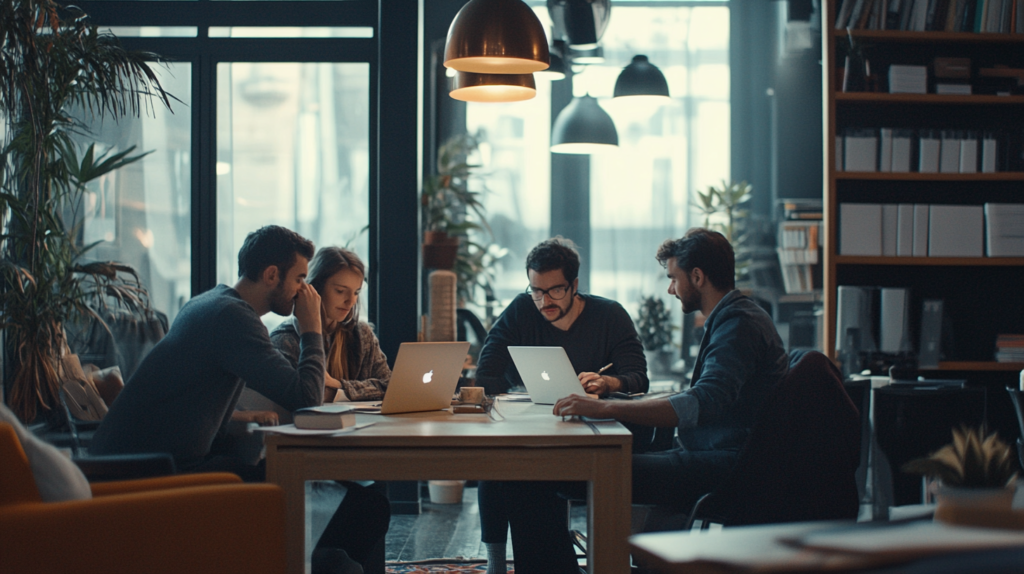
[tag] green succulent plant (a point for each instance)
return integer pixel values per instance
(654, 324)
(972, 460)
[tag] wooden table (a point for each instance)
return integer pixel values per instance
(521, 441)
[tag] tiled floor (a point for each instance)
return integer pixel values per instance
(439, 531)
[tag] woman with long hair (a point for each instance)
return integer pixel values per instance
(357, 369)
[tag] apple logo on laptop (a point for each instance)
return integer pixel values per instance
(428, 376)
(544, 375)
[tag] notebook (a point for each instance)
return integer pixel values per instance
(424, 378)
(547, 373)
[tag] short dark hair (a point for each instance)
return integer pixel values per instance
(555, 253)
(271, 245)
(327, 262)
(706, 250)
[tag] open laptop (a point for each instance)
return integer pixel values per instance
(547, 373)
(424, 378)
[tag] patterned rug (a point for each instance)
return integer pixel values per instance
(435, 566)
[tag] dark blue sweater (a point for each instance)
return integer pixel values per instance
(187, 386)
(603, 333)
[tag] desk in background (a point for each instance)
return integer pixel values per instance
(522, 441)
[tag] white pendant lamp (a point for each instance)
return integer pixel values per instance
(496, 37)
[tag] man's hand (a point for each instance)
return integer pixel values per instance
(575, 405)
(597, 384)
(307, 309)
(262, 418)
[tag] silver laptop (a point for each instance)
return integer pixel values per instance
(424, 378)
(547, 373)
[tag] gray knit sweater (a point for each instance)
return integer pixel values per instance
(367, 365)
(186, 388)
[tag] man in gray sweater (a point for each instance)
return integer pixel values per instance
(185, 390)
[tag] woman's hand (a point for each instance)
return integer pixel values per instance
(330, 382)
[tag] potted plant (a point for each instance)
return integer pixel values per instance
(722, 208)
(654, 327)
(54, 65)
(974, 470)
(448, 205)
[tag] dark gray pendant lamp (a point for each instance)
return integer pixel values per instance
(470, 87)
(559, 69)
(583, 127)
(583, 21)
(496, 37)
(641, 78)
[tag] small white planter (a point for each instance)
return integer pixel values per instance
(975, 498)
(445, 491)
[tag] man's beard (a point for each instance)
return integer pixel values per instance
(563, 312)
(279, 303)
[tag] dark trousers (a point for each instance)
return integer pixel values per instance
(536, 511)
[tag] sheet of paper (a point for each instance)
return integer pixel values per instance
(292, 431)
(907, 540)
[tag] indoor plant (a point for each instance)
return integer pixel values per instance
(448, 205)
(451, 212)
(654, 327)
(722, 209)
(975, 470)
(56, 68)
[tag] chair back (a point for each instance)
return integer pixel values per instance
(17, 485)
(801, 459)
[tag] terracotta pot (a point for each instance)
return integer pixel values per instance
(439, 250)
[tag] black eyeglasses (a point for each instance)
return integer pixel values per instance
(556, 293)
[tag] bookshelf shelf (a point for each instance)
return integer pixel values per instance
(932, 261)
(978, 366)
(884, 98)
(915, 176)
(931, 37)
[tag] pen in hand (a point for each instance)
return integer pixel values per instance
(605, 368)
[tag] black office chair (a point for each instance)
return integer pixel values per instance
(1017, 396)
(800, 461)
(912, 422)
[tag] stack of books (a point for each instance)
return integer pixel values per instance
(1009, 348)
(799, 241)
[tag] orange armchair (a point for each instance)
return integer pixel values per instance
(185, 523)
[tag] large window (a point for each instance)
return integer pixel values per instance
(639, 194)
(140, 215)
(292, 150)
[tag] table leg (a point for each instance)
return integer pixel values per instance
(288, 475)
(609, 497)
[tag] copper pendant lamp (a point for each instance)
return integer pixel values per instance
(470, 87)
(496, 37)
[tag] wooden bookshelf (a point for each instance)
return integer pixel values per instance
(968, 285)
(929, 37)
(915, 176)
(932, 261)
(943, 99)
(977, 366)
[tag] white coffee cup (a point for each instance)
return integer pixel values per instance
(471, 395)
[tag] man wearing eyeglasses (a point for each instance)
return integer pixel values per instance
(595, 332)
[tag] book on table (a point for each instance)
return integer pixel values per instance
(332, 416)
